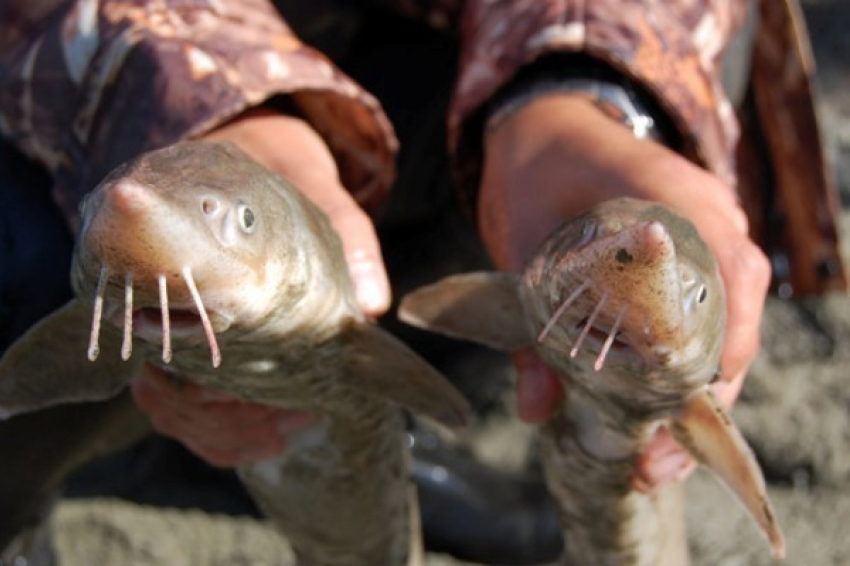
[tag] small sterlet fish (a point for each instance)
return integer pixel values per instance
(199, 260)
(625, 303)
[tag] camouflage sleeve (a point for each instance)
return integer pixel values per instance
(87, 84)
(670, 50)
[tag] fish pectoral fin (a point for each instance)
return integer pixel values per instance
(383, 366)
(49, 364)
(706, 430)
(483, 307)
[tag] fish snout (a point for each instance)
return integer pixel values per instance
(128, 198)
(115, 231)
(641, 272)
(621, 292)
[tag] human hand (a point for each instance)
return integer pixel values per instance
(289, 146)
(224, 430)
(559, 155)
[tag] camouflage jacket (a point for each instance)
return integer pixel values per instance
(87, 84)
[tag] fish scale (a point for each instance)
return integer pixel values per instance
(624, 302)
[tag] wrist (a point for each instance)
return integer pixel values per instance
(558, 155)
(611, 90)
(283, 143)
(565, 144)
(618, 101)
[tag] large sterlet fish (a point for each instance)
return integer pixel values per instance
(198, 260)
(625, 303)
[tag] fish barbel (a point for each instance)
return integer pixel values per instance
(199, 260)
(625, 303)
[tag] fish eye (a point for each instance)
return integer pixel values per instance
(702, 295)
(247, 219)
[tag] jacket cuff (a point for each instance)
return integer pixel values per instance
(146, 78)
(607, 91)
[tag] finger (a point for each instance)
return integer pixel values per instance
(224, 444)
(309, 164)
(225, 422)
(658, 473)
(260, 435)
(539, 391)
(265, 440)
(155, 392)
(359, 239)
(233, 426)
(263, 446)
(746, 276)
(727, 391)
(661, 462)
(149, 388)
(362, 252)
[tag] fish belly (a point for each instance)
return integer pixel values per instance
(341, 492)
(589, 464)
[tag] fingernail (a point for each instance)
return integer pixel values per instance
(371, 296)
(370, 286)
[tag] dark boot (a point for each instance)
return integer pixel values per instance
(481, 514)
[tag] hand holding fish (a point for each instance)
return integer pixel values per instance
(559, 155)
(289, 146)
(198, 260)
(226, 431)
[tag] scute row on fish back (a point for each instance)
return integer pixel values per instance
(198, 260)
(625, 303)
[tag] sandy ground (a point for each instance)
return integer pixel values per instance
(794, 410)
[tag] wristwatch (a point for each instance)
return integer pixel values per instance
(613, 95)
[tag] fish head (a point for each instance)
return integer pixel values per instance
(193, 231)
(628, 285)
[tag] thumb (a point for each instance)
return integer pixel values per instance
(362, 251)
(308, 163)
(359, 239)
